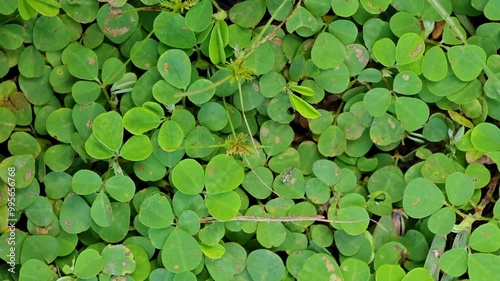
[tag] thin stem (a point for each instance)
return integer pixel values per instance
(342, 103)
(279, 219)
(259, 178)
(245, 118)
(489, 194)
(217, 5)
(229, 118)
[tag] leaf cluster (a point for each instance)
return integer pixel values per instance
(278, 140)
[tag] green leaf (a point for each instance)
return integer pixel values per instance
(113, 70)
(491, 10)
(407, 83)
(108, 130)
(213, 116)
(386, 130)
(354, 269)
(120, 187)
(85, 182)
(75, 214)
(459, 188)
(181, 252)
(304, 108)
(7, 123)
(327, 171)
(219, 38)
(389, 272)
(434, 64)
(389, 179)
(82, 11)
(422, 198)
(223, 206)
(466, 61)
(139, 120)
(18, 170)
(377, 101)
(49, 8)
(35, 270)
(199, 16)
(332, 141)
(31, 63)
(88, 264)
(83, 64)
(483, 267)
(117, 24)
(442, 221)
(50, 34)
(12, 36)
(118, 260)
(264, 265)
(485, 137)
(188, 177)
(409, 48)
(248, 13)
(25, 10)
(175, 67)
(327, 51)
(320, 267)
(375, 6)
(40, 212)
(356, 219)
(137, 148)
(170, 28)
(413, 113)
(454, 262)
(170, 136)
(156, 212)
(101, 211)
(485, 238)
(223, 174)
(437, 168)
(384, 51)
(270, 234)
(420, 274)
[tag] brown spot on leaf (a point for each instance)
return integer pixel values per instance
(124, 264)
(406, 77)
(277, 41)
(28, 176)
(43, 230)
(277, 140)
(360, 55)
(210, 171)
(415, 202)
(113, 13)
(417, 50)
(141, 168)
(115, 32)
(89, 124)
(67, 222)
(165, 67)
(264, 132)
(255, 87)
(328, 264)
(91, 60)
(391, 123)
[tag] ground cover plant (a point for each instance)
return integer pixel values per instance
(252, 140)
